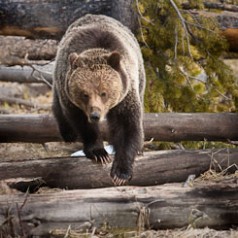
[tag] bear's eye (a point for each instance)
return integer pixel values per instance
(103, 94)
(85, 96)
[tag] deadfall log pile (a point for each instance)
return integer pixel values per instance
(158, 126)
(158, 207)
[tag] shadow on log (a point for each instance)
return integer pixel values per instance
(159, 126)
(153, 168)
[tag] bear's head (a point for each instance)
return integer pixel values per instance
(94, 83)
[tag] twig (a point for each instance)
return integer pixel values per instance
(232, 142)
(41, 78)
(183, 21)
(223, 95)
(138, 9)
(67, 232)
(140, 26)
(190, 76)
(176, 42)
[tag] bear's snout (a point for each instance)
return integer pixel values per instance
(95, 114)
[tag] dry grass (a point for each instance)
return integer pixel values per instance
(176, 233)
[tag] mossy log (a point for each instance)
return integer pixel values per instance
(158, 207)
(153, 168)
(158, 126)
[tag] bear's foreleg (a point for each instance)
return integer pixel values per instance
(127, 138)
(66, 130)
(90, 135)
(93, 143)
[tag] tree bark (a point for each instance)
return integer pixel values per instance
(152, 168)
(159, 126)
(157, 207)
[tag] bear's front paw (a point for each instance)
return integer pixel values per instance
(98, 154)
(120, 174)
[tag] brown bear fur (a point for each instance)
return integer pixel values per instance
(99, 74)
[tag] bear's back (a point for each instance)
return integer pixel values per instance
(99, 31)
(103, 24)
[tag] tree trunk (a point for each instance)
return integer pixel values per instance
(159, 126)
(152, 168)
(50, 19)
(158, 207)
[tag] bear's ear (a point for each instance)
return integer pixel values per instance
(114, 60)
(72, 58)
(75, 60)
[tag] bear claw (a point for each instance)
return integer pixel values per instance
(99, 155)
(120, 176)
(118, 182)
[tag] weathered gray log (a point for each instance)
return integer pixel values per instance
(214, 5)
(158, 207)
(50, 19)
(160, 126)
(26, 103)
(152, 168)
(25, 74)
(20, 48)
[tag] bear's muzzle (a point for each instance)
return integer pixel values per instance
(95, 114)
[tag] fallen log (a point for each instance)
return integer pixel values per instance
(159, 126)
(214, 5)
(152, 168)
(157, 207)
(26, 74)
(20, 47)
(23, 102)
(50, 19)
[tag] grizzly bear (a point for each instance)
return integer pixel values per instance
(99, 74)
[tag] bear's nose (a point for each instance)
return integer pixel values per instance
(95, 116)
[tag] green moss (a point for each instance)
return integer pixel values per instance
(175, 58)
